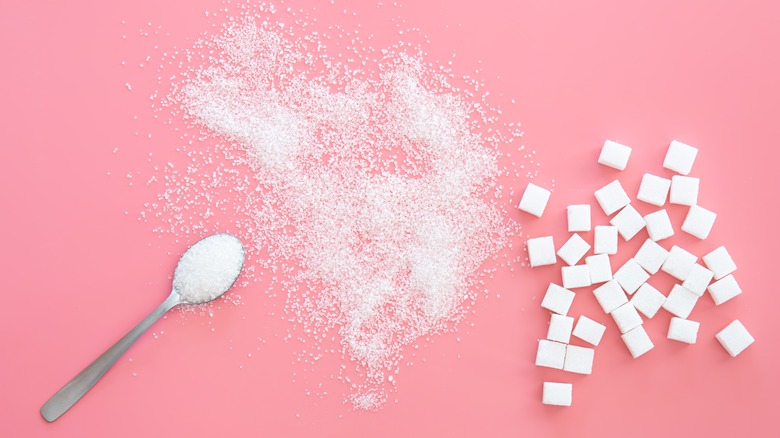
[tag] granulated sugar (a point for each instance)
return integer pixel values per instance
(208, 268)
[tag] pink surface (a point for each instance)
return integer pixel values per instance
(77, 272)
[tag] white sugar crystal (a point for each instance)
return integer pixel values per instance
(683, 330)
(699, 222)
(735, 338)
(612, 197)
(541, 251)
(560, 328)
(653, 189)
(614, 155)
(720, 262)
(648, 300)
(605, 240)
(578, 217)
(651, 256)
(698, 280)
(578, 359)
(600, 268)
(626, 317)
(684, 190)
(557, 394)
(659, 226)
(557, 299)
(534, 200)
(550, 354)
(724, 289)
(573, 250)
(680, 301)
(589, 330)
(680, 157)
(637, 341)
(679, 263)
(628, 222)
(610, 296)
(630, 276)
(575, 276)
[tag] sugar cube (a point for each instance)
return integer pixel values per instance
(637, 341)
(556, 394)
(626, 317)
(612, 197)
(605, 240)
(648, 300)
(679, 263)
(550, 354)
(680, 301)
(534, 200)
(628, 222)
(684, 190)
(719, 262)
(659, 227)
(610, 296)
(735, 338)
(651, 256)
(578, 217)
(600, 268)
(573, 250)
(575, 276)
(724, 289)
(683, 330)
(557, 299)
(589, 330)
(698, 280)
(614, 155)
(541, 251)
(653, 189)
(630, 276)
(560, 328)
(679, 158)
(699, 222)
(578, 359)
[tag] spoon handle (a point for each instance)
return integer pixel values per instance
(79, 385)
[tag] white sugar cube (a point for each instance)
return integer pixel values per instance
(659, 227)
(575, 276)
(626, 317)
(654, 189)
(698, 280)
(560, 328)
(578, 217)
(600, 268)
(637, 341)
(719, 262)
(683, 330)
(612, 197)
(724, 289)
(699, 222)
(679, 263)
(610, 296)
(735, 338)
(589, 330)
(605, 240)
(651, 256)
(628, 222)
(680, 301)
(541, 251)
(679, 158)
(684, 190)
(556, 394)
(578, 359)
(648, 300)
(614, 155)
(534, 200)
(557, 299)
(573, 250)
(630, 276)
(550, 354)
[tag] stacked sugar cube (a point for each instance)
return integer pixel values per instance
(625, 293)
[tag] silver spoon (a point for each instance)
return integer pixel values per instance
(205, 271)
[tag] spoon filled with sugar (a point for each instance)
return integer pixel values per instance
(208, 269)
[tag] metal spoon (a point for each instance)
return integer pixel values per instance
(66, 397)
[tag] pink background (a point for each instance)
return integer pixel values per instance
(77, 272)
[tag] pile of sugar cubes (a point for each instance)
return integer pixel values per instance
(625, 293)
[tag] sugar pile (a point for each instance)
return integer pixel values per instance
(208, 268)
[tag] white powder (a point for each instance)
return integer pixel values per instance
(208, 268)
